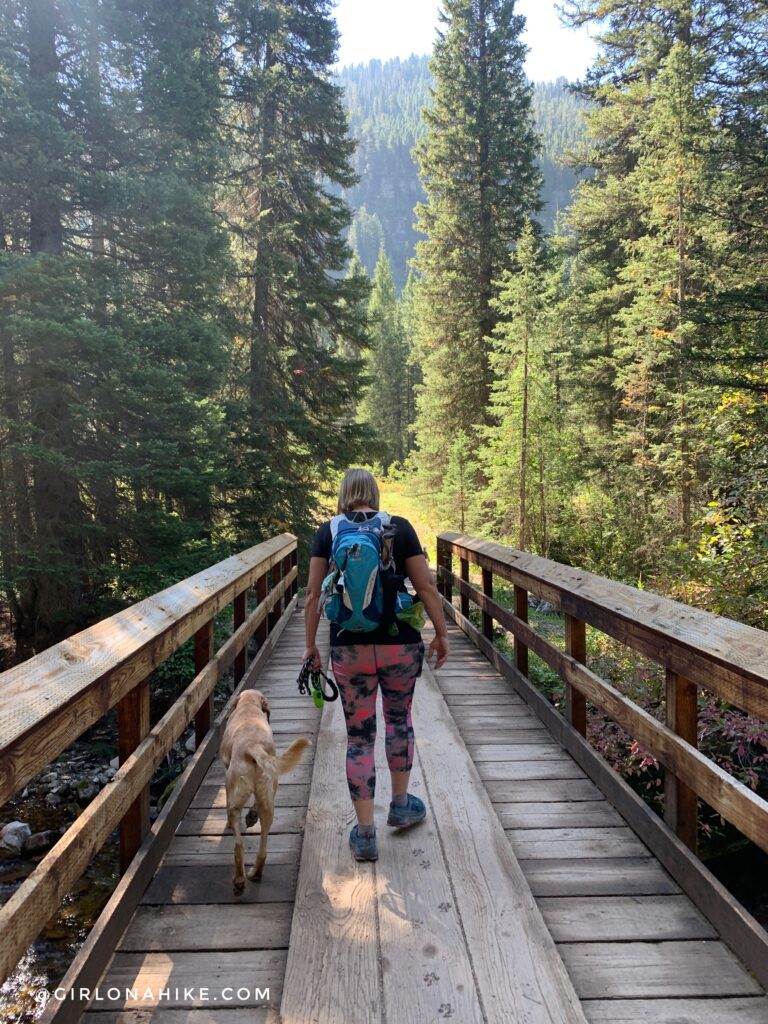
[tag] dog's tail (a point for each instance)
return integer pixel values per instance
(291, 756)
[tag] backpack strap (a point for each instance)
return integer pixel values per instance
(335, 525)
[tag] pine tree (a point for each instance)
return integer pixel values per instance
(523, 444)
(366, 237)
(413, 375)
(287, 132)
(383, 406)
(110, 262)
(664, 271)
(477, 162)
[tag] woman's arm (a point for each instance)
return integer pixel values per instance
(318, 569)
(417, 570)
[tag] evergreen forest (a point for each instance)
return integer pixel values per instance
(538, 312)
(384, 101)
(212, 300)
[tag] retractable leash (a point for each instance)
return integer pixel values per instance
(310, 681)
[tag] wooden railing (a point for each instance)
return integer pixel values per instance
(696, 648)
(47, 702)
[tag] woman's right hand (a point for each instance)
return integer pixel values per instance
(314, 653)
(439, 647)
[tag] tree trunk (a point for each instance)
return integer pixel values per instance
(56, 504)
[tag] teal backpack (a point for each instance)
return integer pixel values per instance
(353, 593)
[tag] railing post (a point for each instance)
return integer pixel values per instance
(132, 727)
(465, 579)
(487, 618)
(681, 805)
(285, 568)
(576, 646)
(203, 654)
(262, 629)
(276, 574)
(521, 611)
(239, 614)
(444, 559)
(294, 561)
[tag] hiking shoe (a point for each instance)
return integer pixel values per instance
(410, 813)
(363, 847)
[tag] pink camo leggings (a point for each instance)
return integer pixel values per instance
(359, 669)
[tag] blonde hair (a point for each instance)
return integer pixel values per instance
(358, 487)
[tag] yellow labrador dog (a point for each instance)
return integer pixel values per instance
(253, 770)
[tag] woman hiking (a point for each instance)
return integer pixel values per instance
(362, 661)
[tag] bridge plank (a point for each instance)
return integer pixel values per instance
(597, 877)
(517, 752)
(623, 918)
(332, 965)
(518, 970)
(547, 843)
(655, 969)
(505, 701)
(427, 971)
(140, 981)
(542, 791)
(185, 1015)
(173, 929)
(589, 814)
(750, 1010)
(518, 771)
(501, 734)
(288, 795)
(213, 821)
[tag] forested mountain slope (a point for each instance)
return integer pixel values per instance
(384, 101)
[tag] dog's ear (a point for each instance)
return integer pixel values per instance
(265, 706)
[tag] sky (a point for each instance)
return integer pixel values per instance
(398, 28)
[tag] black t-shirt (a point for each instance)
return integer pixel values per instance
(405, 544)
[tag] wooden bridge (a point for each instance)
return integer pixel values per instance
(540, 888)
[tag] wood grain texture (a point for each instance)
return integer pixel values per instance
(181, 1015)
(427, 970)
(172, 929)
(550, 814)
(597, 877)
(333, 956)
(721, 654)
(51, 699)
(141, 980)
(518, 969)
(623, 918)
(520, 770)
(677, 1011)
(576, 843)
(536, 752)
(86, 969)
(603, 970)
(738, 928)
(736, 802)
(543, 791)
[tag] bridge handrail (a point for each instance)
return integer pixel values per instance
(50, 700)
(695, 647)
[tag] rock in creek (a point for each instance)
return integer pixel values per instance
(13, 836)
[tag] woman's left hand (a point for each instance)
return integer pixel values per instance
(314, 653)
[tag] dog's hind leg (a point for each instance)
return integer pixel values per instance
(251, 817)
(233, 820)
(266, 818)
